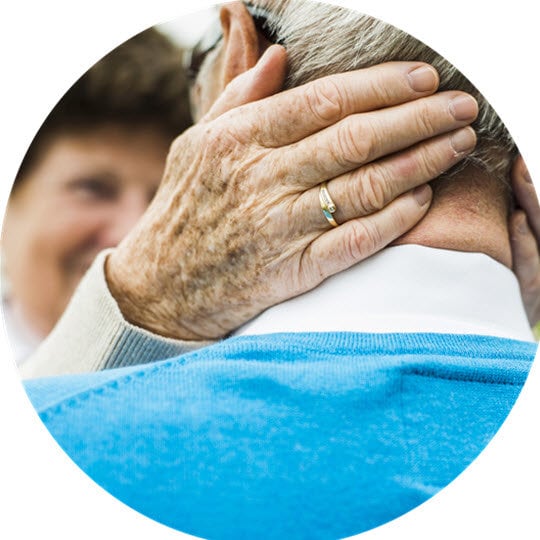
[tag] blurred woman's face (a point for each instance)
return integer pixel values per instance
(84, 194)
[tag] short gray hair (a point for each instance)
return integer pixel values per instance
(323, 39)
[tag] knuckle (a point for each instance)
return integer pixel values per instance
(223, 142)
(363, 241)
(401, 219)
(383, 91)
(421, 164)
(325, 101)
(407, 165)
(425, 118)
(354, 144)
(431, 164)
(373, 191)
(311, 270)
(215, 136)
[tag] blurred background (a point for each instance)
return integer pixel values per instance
(186, 30)
(90, 172)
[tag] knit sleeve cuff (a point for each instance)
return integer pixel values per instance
(93, 335)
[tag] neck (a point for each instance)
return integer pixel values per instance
(469, 213)
(464, 286)
(407, 289)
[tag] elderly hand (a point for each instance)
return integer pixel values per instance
(237, 225)
(525, 239)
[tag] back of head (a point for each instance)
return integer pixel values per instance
(322, 39)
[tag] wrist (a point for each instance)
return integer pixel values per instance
(129, 285)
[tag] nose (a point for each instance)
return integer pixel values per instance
(122, 218)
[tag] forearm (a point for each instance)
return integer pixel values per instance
(93, 335)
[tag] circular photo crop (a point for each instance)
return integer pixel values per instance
(272, 271)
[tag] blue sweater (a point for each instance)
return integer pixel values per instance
(309, 436)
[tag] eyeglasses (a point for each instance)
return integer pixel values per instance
(212, 37)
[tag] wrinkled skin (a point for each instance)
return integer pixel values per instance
(236, 225)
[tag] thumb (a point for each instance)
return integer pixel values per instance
(262, 80)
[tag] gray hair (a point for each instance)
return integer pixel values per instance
(323, 39)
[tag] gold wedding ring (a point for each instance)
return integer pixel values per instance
(328, 206)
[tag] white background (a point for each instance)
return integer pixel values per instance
(46, 46)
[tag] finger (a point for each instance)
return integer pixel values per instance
(369, 189)
(293, 115)
(525, 254)
(526, 196)
(263, 80)
(360, 139)
(355, 240)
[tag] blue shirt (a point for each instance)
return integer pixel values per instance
(316, 435)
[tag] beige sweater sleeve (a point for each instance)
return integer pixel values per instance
(92, 335)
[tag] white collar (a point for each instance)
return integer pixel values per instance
(408, 288)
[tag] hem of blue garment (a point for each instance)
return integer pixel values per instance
(310, 347)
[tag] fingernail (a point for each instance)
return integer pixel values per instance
(463, 141)
(423, 79)
(422, 194)
(463, 108)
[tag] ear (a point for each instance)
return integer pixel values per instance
(241, 48)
